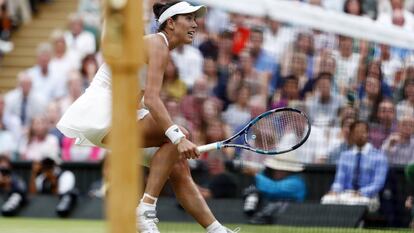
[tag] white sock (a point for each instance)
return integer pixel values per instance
(216, 227)
(142, 207)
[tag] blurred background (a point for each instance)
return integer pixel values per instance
(343, 62)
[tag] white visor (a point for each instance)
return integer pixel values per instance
(181, 8)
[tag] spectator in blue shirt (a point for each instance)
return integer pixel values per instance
(263, 61)
(361, 172)
(275, 186)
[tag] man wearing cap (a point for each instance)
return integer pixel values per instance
(276, 185)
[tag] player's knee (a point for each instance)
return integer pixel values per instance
(181, 170)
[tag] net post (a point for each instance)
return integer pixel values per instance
(122, 45)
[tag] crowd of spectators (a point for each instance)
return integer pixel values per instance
(13, 14)
(238, 67)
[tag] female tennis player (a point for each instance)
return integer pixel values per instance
(89, 117)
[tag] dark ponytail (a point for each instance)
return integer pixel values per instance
(159, 8)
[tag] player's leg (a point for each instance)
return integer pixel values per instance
(161, 164)
(191, 200)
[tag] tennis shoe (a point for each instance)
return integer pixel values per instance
(236, 230)
(147, 222)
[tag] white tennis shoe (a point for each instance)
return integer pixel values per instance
(236, 230)
(147, 222)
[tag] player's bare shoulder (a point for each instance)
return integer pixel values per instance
(155, 42)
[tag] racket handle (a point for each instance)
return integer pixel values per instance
(209, 147)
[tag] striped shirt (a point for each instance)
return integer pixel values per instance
(373, 165)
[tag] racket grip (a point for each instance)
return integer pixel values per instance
(209, 147)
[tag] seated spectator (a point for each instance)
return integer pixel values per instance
(248, 74)
(262, 60)
(48, 178)
(189, 62)
(10, 122)
(295, 63)
(314, 149)
(211, 74)
(12, 186)
(406, 105)
(44, 83)
(275, 186)
(53, 115)
(8, 144)
(390, 65)
(369, 102)
(384, 123)
(192, 104)
(238, 113)
(39, 143)
(173, 86)
(353, 7)
(276, 38)
(78, 39)
(22, 102)
(360, 174)
(323, 105)
(346, 111)
(63, 61)
(374, 70)
(287, 93)
(398, 16)
(347, 65)
(75, 89)
(89, 67)
(324, 63)
(343, 143)
(399, 146)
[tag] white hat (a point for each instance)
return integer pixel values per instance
(284, 162)
(181, 8)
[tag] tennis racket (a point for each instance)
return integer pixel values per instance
(273, 132)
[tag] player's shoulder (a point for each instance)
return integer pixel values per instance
(155, 40)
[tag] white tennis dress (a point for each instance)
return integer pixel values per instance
(88, 119)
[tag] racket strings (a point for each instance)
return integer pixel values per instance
(277, 131)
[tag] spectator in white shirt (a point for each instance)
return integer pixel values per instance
(397, 16)
(77, 39)
(22, 102)
(42, 79)
(347, 65)
(10, 122)
(64, 60)
(189, 61)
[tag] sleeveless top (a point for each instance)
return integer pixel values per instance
(103, 76)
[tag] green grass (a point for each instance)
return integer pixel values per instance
(23, 225)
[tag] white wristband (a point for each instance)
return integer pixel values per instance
(174, 133)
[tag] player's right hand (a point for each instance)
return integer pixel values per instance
(187, 149)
